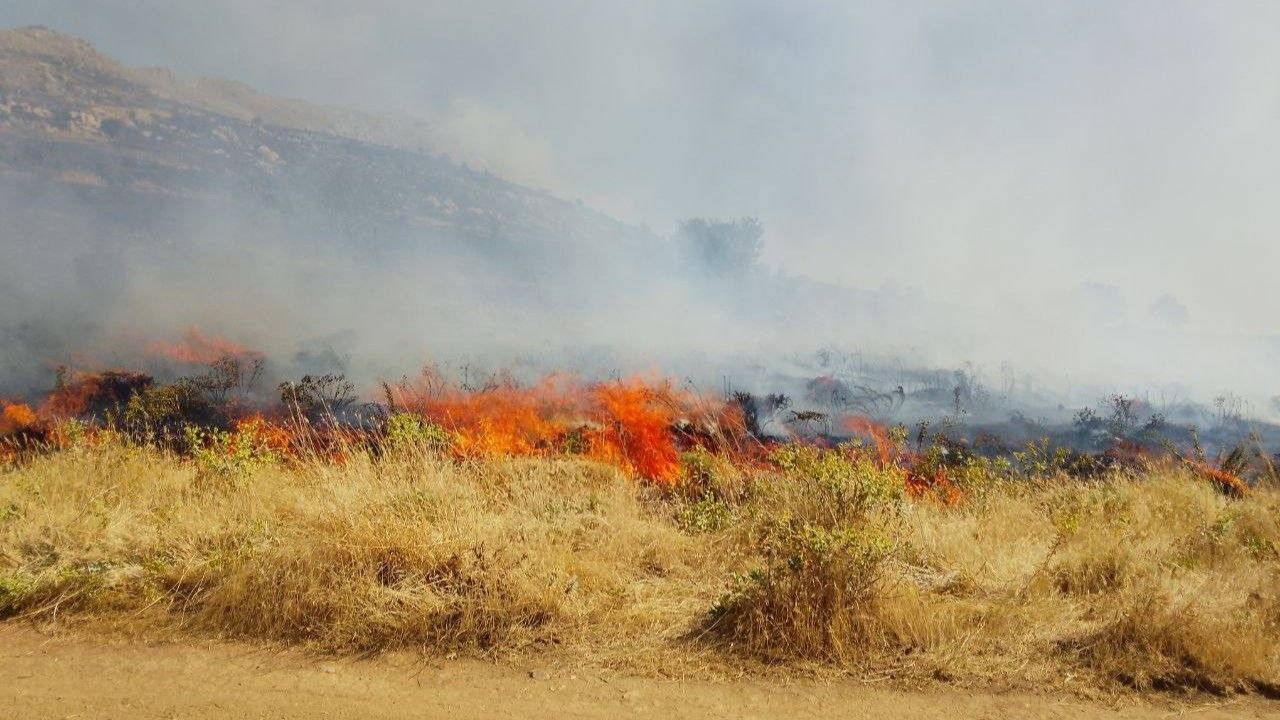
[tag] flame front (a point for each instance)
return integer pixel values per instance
(628, 423)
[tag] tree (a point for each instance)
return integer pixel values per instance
(722, 248)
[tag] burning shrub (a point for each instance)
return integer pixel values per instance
(16, 417)
(631, 424)
(750, 407)
(1229, 470)
(94, 394)
(253, 442)
(759, 412)
(637, 429)
(159, 412)
(228, 375)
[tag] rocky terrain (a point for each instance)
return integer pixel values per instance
(144, 138)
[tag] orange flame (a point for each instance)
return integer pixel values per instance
(920, 483)
(937, 486)
(260, 432)
(637, 429)
(16, 417)
(628, 424)
(1227, 482)
(197, 348)
(85, 390)
(878, 434)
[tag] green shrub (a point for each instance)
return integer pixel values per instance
(228, 452)
(408, 431)
(14, 588)
(705, 514)
(704, 473)
(841, 485)
(159, 409)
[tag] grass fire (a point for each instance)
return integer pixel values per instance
(707, 359)
(637, 522)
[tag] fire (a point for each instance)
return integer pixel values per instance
(636, 427)
(628, 423)
(936, 485)
(640, 425)
(16, 417)
(504, 419)
(87, 393)
(258, 431)
(885, 449)
(920, 481)
(1227, 481)
(197, 348)
(70, 400)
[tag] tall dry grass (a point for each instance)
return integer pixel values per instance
(1148, 581)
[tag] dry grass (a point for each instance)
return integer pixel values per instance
(1149, 582)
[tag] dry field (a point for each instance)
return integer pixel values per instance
(818, 566)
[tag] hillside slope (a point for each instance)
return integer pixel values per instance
(69, 113)
(137, 204)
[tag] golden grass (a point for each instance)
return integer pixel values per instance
(1150, 581)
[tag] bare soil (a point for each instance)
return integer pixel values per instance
(59, 676)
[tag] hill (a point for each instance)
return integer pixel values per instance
(137, 203)
(74, 116)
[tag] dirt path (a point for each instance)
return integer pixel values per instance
(55, 677)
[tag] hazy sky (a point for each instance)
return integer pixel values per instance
(1011, 157)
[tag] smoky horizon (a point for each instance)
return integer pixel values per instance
(1059, 202)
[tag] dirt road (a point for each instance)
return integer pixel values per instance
(56, 677)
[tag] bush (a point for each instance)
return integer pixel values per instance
(835, 486)
(405, 431)
(230, 453)
(318, 397)
(706, 474)
(705, 514)
(1151, 642)
(814, 598)
(821, 540)
(165, 409)
(721, 248)
(14, 588)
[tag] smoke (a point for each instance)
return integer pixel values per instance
(1083, 193)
